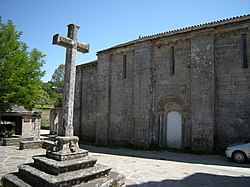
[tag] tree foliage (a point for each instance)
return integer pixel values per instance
(54, 88)
(20, 70)
(58, 75)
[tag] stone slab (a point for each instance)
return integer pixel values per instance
(10, 141)
(40, 178)
(66, 156)
(30, 144)
(27, 138)
(114, 179)
(12, 180)
(55, 167)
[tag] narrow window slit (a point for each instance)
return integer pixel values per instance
(172, 61)
(124, 73)
(244, 48)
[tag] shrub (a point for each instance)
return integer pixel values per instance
(6, 133)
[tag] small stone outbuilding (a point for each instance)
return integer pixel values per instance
(186, 89)
(25, 124)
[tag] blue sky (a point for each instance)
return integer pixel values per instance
(105, 23)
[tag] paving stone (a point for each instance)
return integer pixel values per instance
(154, 168)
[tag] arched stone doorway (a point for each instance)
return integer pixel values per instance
(171, 123)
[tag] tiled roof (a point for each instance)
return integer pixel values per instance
(185, 29)
(204, 25)
(19, 111)
(15, 108)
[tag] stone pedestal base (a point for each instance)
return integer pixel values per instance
(66, 148)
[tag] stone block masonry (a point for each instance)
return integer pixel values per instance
(85, 102)
(191, 83)
(232, 87)
(202, 91)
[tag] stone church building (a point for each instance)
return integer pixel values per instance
(186, 89)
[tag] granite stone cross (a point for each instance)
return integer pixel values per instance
(66, 144)
(72, 46)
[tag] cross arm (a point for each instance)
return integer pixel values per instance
(68, 42)
(62, 41)
(82, 47)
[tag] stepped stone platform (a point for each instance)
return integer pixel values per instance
(72, 171)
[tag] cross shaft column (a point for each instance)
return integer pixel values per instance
(69, 83)
(66, 144)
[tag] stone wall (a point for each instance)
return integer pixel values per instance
(202, 91)
(171, 90)
(195, 72)
(142, 99)
(31, 127)
(121, 97)
(85, 101)
(232, 114)
(103, 100)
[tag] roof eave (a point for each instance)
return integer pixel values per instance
(183, 30)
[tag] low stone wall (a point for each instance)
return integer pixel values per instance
(10, 141)
(30, 144)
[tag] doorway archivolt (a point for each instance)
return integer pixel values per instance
(171, 122)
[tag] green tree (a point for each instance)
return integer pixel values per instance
(20, 70)
(58, 75)
(54, 88)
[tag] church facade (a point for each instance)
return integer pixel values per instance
(183, 89)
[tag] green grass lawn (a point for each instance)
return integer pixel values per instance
(47, 106)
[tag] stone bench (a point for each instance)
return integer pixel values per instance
(34, 144)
